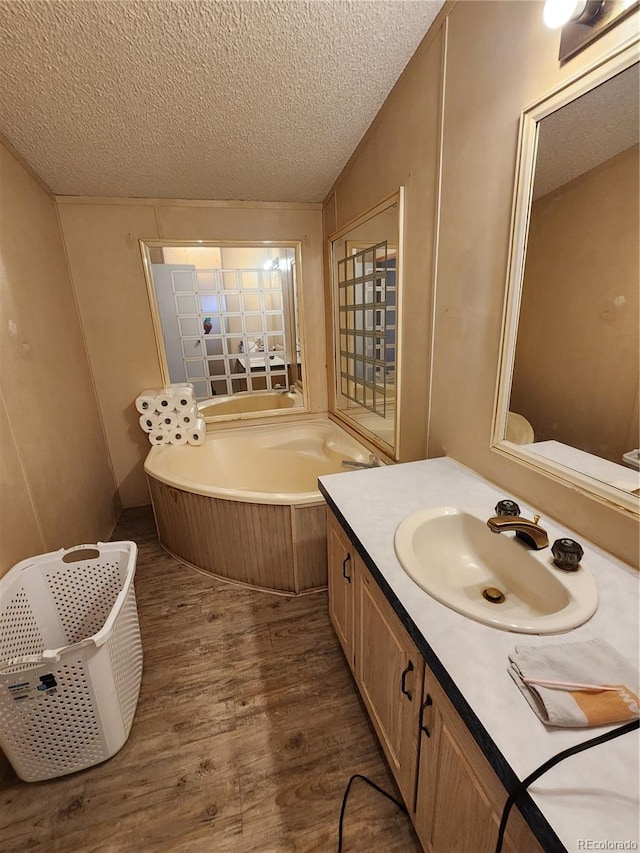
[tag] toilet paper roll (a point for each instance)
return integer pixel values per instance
(164, 401)
(146, 401)
(183, 399)
(187, 419)
(178, 436)
(167, 421)
(157, 438)
(177, 385)
(197, 434)
(150, 422)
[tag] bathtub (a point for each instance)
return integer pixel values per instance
(245, 506)
(245, 402)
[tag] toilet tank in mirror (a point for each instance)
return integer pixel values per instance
(567, 398)
(227, 318)
(366, 273)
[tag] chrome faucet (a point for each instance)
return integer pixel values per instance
(528, 530)
(373, 462)
(290, 390)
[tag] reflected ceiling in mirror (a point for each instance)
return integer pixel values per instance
(226, 319)
(366, 281)
(568, 396)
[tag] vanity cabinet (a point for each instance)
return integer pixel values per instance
(455, 779)
(453, 795)
(341, 568)
(390, 673)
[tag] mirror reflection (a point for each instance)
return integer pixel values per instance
(227, 321)
(574, 393)
(365, 271)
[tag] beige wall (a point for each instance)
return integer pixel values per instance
(57, 488)
(101, 237)
(579, 314)
(500, 58)
(401, 149)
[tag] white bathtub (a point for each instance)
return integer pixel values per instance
(245, 506)
(248, 403)
(274, 464)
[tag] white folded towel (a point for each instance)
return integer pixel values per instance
(590, 662)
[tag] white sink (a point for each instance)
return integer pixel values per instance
(452, 555)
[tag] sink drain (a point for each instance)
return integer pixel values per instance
(493, 595)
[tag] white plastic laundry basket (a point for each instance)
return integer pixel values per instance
(70, 658)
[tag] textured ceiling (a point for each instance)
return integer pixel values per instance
(257, 100)
(588, 131)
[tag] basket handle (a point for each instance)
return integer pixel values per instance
(104, 633)
(82, 553)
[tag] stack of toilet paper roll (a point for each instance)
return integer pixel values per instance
(170, 416)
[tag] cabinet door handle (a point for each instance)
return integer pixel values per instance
(428, 702)
(403, 684)
(344, 568)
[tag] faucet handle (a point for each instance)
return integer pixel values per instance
(536, 519)
(507, 507)
(567, 554)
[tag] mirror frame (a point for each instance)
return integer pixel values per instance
(391, 452)
(156, 243)
(613, 63)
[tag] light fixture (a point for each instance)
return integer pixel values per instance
(557, 13)
(584, 21)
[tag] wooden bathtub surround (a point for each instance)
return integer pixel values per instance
(207, 533)
(451, 792)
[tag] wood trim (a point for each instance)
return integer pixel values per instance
(275, 548)
(395, 197)
(186, 202)
(309, 532)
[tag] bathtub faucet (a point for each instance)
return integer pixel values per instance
(373, 462)
(290, 390)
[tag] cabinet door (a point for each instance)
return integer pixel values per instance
(389, 672)
(459, 799)
(341, 570)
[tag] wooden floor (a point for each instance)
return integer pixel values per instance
(247, 731)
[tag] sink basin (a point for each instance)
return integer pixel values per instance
(452, 555)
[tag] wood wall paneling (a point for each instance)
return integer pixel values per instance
(101, 236)
(267, 546)
(53, 446)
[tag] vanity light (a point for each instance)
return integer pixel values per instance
(557, 13)
(585, 21)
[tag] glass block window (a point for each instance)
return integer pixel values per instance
(367, 326)
(232, 329)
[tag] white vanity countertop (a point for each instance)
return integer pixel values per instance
(591, 796)
(620, 476)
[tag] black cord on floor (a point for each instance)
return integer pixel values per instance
(556, 759)
(344, 802)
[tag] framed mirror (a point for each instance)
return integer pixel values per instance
(567, 400)
(366, 274)
(227, 319)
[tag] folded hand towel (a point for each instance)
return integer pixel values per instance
(588, 662)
